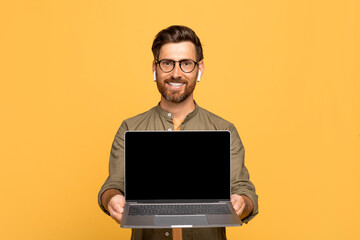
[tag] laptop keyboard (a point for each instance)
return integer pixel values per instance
(177, 209)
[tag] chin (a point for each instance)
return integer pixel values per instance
(177, 99)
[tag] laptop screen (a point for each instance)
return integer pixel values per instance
(177, 165)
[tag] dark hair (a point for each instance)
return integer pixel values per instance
(176, 34)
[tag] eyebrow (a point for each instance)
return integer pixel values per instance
(175, 60)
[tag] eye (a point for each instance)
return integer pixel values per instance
(187, 63)
(166, 62)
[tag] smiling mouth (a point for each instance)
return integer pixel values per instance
(175, 84)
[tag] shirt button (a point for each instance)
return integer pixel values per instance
(169, 114)
(169, 129)
(167, 234)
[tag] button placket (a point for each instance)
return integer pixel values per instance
(169, 119)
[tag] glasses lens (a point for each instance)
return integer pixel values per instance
(187, 65)
(166, 65)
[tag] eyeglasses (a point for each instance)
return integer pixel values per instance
(186, 65)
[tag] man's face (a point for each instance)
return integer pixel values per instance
(176, 86)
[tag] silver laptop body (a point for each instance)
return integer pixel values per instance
(178, 179)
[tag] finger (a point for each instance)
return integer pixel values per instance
(117, 200)
(116, 207)
(236, 203)
(236, 206)
(235, 198)
(120, 210)
(241, 208)
(116, 216)
(122, 200)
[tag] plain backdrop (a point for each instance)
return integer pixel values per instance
(286, 73)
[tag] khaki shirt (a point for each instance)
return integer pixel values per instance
(199, 119)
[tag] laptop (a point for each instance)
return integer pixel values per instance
(178, 179)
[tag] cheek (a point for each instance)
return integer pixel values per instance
(189, 77)
(162, 76)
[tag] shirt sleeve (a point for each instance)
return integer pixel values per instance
(116, 165)
(240, 179)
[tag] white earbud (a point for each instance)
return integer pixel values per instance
(199, 76)
(154, 76)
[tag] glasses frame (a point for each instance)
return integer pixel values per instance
(174, 64)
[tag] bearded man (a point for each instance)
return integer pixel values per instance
(178, 64)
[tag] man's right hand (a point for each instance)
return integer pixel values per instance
(114, 202)
(116, 207)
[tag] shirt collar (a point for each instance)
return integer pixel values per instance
(169, 115)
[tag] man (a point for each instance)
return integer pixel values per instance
(177, 66)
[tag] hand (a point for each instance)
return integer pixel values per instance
(238, 203)
(116, 207)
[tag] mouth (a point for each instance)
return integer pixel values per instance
(175, 85)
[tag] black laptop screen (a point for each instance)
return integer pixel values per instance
(162, 165)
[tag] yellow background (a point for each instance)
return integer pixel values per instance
(286, 73)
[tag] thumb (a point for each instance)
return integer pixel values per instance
(233, 199)
(120, 209)
(236, 206)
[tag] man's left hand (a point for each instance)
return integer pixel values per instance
(238, 203)
(242, 204)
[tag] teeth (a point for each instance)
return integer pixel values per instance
(176, 84)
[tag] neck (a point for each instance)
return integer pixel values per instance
(178, 110)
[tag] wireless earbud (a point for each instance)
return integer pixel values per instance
(154, 76)
(199, 76)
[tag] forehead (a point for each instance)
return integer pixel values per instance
(178, 51)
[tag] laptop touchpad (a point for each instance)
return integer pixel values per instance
(180, 220)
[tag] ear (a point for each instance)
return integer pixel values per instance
(153, 66)
(201, 70)
(154, 70)
(201, 67)
(199, 75)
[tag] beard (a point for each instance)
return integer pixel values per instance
(175, 96)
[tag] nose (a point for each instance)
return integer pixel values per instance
(176, 72)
